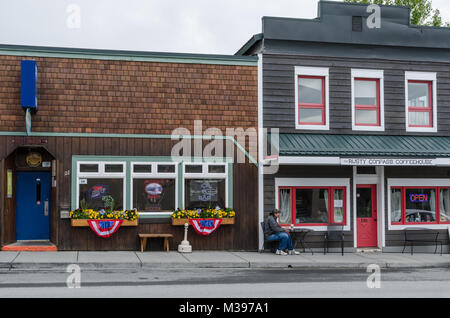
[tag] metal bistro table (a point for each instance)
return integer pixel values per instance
(298, 236)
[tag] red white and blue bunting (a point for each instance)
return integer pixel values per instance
(205, 226)
(104, 228)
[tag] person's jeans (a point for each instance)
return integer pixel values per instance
(284, 238)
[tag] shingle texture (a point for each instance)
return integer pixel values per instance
(129, 97)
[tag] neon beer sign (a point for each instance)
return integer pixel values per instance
(418, 198)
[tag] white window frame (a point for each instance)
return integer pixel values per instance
(316, 182)
(414, 183)
(313, 71)
(421, 76)
(153, 175)
(370, 74)
(205, 175)
(101, 174)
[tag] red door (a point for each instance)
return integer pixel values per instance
(366, 215)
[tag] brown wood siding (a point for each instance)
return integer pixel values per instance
(130, 97)
(279, 92)
(230, 237)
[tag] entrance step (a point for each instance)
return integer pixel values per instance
(30, 246)
(368, 250)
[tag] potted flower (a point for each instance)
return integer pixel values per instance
(180, 217)
(80, 216)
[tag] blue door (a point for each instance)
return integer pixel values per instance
(33, 206)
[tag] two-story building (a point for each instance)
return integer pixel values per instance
(145, 130)
(363, 114)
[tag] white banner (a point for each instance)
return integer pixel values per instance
(387, 162)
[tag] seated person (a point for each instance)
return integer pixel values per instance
(274, 232)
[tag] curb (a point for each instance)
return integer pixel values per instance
(249, 265)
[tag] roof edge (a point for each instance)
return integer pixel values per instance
(145, 56)
(250, 43)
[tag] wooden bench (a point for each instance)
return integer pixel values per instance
(144, 237)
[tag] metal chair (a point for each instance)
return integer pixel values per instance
(272, 243)
(335, 233)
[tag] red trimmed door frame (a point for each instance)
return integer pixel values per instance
(366, 221)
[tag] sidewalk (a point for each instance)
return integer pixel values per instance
(212, 259)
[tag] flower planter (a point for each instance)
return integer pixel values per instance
(181, 222)
(84, 222)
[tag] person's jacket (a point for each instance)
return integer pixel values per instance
(271, 226)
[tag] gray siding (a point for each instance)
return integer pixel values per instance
(315, 239)
(279, 92)
(393, 238)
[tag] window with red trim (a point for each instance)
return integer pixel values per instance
(420, 103)
(367, 102)
(311, 100)
(420, 205)
(312, 205)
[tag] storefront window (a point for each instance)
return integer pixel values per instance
(204, 193)
(92, 193)
(415, 205)
(420, 205)
(101, 185)
(154, 186)
(154, 195)
(312, 206)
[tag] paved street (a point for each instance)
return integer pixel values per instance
(217, 274)
(232, 282)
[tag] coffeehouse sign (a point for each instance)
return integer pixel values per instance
(387, 162)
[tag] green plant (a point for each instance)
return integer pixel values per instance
(109, 202)
(83, 204)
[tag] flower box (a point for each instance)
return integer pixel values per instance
(84, 222)
(181, 222)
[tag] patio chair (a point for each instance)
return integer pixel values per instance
(335, 233)
(272, 244)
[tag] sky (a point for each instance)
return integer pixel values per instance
(185, 26)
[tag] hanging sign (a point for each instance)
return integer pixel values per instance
(418, 198)
(34, 159)
(98, 191)
(205, 226)
(387, 162)
(104, 228)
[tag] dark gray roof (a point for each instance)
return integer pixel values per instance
(363, 146)
(334, 26)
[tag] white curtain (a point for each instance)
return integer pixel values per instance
(445, 205)
(285, 206)
(325, 197)
(396, 205)
(339, 211)
(419, 118)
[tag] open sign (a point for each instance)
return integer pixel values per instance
(418, 198)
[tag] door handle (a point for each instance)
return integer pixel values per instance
(46, 207)
(38, 191)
